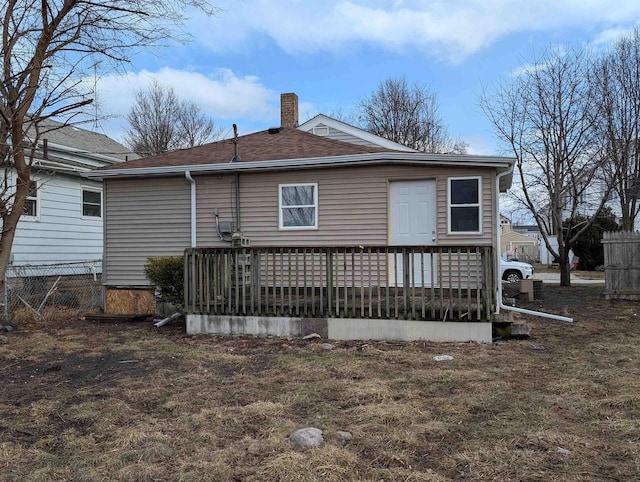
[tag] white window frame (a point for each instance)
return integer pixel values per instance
(94, 190)
(37, 199)
(467, 205)
(314, 205)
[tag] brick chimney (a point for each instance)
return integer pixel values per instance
(289, 110)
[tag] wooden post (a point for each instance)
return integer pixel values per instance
(395, 278)
(329, 281)
(353, 287)
(256, 289)
(422, 294)
(187, 287)
(479, 275)
(406, 281)
(432, 273)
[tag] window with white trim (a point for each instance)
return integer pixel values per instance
(298, 206)
(91, 203)
(464, 205)
(31, 202)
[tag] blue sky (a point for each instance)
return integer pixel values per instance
(333, 53)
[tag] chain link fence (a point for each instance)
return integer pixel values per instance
(36, 288)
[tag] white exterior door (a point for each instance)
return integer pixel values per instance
(412, 222)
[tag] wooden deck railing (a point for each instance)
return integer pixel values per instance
(398, 282)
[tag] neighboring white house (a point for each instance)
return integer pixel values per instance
(62, 221)
(322, 125)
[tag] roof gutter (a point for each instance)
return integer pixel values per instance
(187, 174)
(60, 148)
(500, 305)
(279, 164)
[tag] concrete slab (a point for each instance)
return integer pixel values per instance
(407, 330)
(554, 278)
(342, 328)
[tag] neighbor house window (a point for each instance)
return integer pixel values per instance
(91, 203)
(31, 202)
(464, 205)
(298, 206)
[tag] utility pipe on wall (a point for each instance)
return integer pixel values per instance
(187, 174)
(236, 158)
(238, 228)
(500, 304)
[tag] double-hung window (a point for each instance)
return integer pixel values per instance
(298, 206)
(464, 205)
(91, 203)
(30, 211)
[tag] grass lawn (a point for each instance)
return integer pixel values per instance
(86, 401)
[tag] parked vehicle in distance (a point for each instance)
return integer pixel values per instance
(513, 271)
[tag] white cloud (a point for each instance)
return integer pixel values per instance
(550, 58)
(222, 95)
(443, 29)
(610, 35)
(480, 145)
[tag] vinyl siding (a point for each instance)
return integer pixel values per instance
(60, 234)
(344, 137)
(144, 217)
(151, 217)
(352, 205)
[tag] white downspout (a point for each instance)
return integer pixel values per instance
(187, 174)
(500, 304)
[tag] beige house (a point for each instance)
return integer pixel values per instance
(247, 207)
(518, 246)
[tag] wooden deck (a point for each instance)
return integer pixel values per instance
(376, 282)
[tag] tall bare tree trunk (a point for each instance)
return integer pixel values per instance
(68, 38)
(12, 215)
(565, 267)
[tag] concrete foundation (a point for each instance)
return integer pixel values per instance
(341, 328)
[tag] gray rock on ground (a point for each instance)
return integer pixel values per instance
(307, 437)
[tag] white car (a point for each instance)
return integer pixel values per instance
(513, 271)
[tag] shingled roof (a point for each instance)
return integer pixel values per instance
(268, 145)
(83, 140)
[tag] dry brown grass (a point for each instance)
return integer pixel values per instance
(88, 402)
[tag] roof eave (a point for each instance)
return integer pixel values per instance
(500, 163)
(81, 153)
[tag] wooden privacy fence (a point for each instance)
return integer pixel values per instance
(399, 282)
(622, 265)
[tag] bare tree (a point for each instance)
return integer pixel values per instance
(196, 127)
(348, 116)
(409, 116)
(159, 122)
(544, 115)
(48, 46)
(616, 77)
(152, 121)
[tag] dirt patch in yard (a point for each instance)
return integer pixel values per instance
(89, 401)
